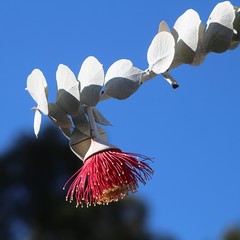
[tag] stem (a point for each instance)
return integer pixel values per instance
(170, 80)
(148, 75)
(95, 134)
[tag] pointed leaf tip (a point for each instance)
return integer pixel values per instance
(37, 122)
(163, 27)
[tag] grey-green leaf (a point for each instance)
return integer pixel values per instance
(58, 116)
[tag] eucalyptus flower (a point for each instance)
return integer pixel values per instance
(108, 174)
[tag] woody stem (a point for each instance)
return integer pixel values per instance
(170, 79)
(148, 75)
(93, 126)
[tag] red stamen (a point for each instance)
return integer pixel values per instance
(108, 176)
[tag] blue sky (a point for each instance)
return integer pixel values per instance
(193, 132)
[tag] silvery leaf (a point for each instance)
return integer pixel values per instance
(37, 87)
(187, 32)
(122, 79)
(218, 34)
(91, 76)
(99, 118)
(81, 123)
(68, 96)
(80, 143)
(66, 132)
(58, 116)
(236, 26)
(37, 122)
(161, 52)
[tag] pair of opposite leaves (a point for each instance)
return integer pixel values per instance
(188, 43)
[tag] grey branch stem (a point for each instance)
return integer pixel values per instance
(148, 75)
(95, 134)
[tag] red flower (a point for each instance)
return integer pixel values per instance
(108, 175)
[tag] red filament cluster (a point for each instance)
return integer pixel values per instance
(107, 176)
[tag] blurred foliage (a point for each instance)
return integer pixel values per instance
(232, 234)
(33, 206)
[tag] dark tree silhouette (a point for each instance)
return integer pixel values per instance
(232, 234)
(33, 206)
